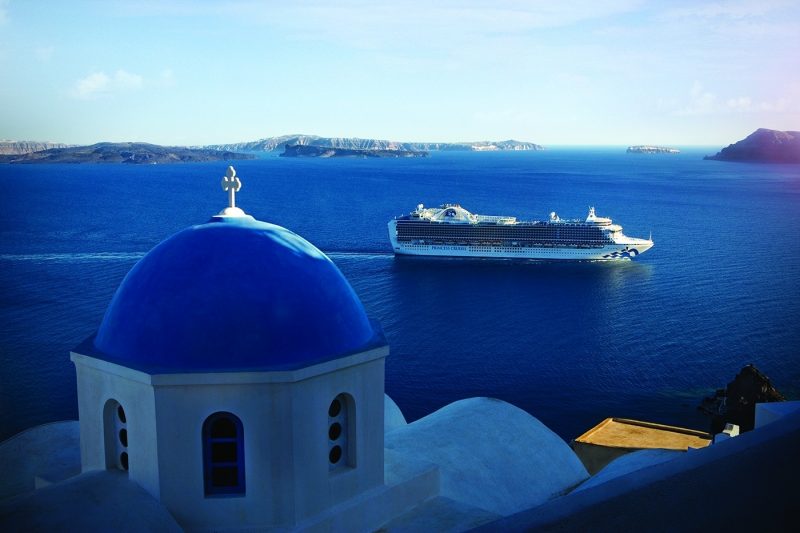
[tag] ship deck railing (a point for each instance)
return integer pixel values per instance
(560, 222)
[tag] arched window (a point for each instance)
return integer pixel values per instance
(341, 432)
(223, 454)
(115, 429)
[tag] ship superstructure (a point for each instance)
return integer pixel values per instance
(452, 231)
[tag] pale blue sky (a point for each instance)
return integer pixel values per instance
(583, 72)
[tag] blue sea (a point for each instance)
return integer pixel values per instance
(571, 343)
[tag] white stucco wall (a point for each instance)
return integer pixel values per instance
(98, 501)
(491, 455)
(317, 487)
(49, 453)
(285, 428)
(628, 463)
(285, 423)
(392, 415)
(181, 412)
(98, 382)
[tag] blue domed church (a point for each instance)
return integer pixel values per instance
(236, 374)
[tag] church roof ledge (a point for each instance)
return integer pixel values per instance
(86, 353)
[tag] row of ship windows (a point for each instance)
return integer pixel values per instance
(495, 249)
(497, 229)
(516, 235)
(509, 238)
(571, 244)
(519, 226)
(503, 242)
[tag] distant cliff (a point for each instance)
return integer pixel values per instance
(644, 149)
(273, 144)
(300, 150)
(132, 153)
(26, 147)
(763, 146)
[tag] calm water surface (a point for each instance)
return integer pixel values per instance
(569, 343)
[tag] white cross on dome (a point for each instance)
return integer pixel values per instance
(231, 183)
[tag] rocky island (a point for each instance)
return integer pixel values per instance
(645, 149)
(276, 144)
(304, 150)
(131, 153)
(763, 146)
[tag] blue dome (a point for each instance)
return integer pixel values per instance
(230, 295)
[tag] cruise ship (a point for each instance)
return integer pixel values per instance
(452, 231)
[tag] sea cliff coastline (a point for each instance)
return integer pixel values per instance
(300, 150)
(129, 153)
(276, 144)
(26, 147)
(763, 146)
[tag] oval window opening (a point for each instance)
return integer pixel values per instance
(335, 408)
(335, 455)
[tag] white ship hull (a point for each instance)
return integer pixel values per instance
(619, 251)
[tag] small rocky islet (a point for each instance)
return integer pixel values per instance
(648, 149)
